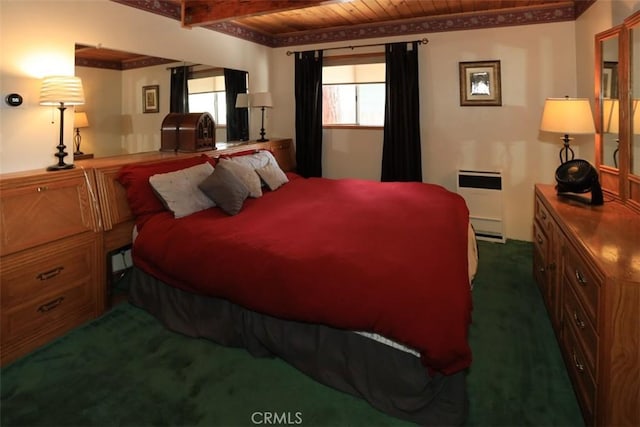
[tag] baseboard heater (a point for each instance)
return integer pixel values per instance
(482, 190)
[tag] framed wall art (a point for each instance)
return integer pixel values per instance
(610, 80)
(480, 83)
(150, 99)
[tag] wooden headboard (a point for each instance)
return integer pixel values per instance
(117, 219)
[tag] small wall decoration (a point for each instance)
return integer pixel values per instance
(480, 83)
(150, 99)
(610, 80)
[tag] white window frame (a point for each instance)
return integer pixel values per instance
(377, 58)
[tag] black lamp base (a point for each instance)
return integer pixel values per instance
(566, 150)
(60, 167)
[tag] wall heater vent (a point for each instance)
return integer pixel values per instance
(482, 190)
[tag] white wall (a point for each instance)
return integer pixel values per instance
(37, 38)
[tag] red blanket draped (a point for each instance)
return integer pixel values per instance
(389, 258)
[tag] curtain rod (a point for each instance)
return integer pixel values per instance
(422, 41)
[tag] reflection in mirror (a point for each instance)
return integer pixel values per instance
(610, 104)
(114, 84)
(634, 155)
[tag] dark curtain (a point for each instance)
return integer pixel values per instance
(235, 82)
(179, 99)
(401, 158)
(308, 93)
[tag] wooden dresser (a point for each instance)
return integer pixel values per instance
(587, 265)
(51, 265)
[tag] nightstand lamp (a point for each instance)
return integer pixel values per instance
(61, 91)
(567, 116)
(261, 100)
(79, 121)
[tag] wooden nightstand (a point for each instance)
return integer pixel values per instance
(51, 269)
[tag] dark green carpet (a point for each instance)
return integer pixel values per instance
(125, 369)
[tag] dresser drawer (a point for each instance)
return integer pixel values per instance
(44, 208)
(540, 239)
(46, 270)
(583, 377)
(541, 214)
(584, 281)
(47, 313)
(583, 330)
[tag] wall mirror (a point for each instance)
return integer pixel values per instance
(127, 97)
(610, 102)
(608, 135)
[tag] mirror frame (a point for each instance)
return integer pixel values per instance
(618, 183)
(609, 176)
(632, 184)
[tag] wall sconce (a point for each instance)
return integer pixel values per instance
(79, 121)
(262, 100)
(61, 91)
(567, 116)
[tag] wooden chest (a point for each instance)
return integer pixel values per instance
(51, 259)
(188, 132)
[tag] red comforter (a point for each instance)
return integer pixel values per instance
(389, 258)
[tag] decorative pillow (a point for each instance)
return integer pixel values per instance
(273, 176)
(135, 179)
(225, 189)
(256, 160)
(246, 174)
(179, 190)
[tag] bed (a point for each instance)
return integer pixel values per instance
(363, 286)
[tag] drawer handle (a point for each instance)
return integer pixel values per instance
(580, 278)
(576, 362)
(579, 322)
(540, 239)
(41, 189)
(50, 305)
(544, 215)
(541, 270)
(50, 274)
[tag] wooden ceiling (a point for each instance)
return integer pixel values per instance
(99, 57)
(278, 23)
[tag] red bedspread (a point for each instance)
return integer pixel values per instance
(389, 258)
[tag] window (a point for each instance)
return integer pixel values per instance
(207, 94)
(353, 94)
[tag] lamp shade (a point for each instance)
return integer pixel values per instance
(567, 116)
(261, 99)
(80, 119)
(242, 100)
(56, 90)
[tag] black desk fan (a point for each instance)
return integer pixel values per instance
(578, 176)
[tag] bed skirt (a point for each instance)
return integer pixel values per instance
(391, 380)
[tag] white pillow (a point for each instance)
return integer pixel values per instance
(179, 190)
(273, 176)
(247, 175)
(256, 160)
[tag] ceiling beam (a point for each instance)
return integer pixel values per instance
(204, 12)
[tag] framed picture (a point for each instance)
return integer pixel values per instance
(610, 80)
(480, 83)
(150, 99)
